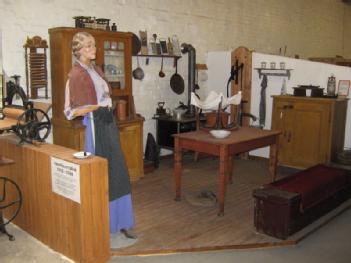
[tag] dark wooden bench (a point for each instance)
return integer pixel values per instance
(287, 205)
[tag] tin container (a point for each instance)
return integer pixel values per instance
(121, 110)
(331, 86)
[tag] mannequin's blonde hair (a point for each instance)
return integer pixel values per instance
(78, 42)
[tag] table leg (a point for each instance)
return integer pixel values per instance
(177, 168)
(223, 167)
(273, 158)
(230, 169)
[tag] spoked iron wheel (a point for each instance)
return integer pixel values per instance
(10, 202)
(33, 124)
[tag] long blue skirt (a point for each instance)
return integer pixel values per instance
(121, 209)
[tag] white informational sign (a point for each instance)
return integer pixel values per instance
(65, 178)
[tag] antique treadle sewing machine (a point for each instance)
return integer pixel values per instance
(30, 122)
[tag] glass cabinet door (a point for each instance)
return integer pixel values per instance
(114, 63)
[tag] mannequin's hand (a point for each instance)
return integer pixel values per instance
(85, 110)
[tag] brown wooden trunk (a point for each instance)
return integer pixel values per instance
(286, 206)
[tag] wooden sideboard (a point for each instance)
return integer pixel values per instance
(313, 129)
(79, 231)
(114, 55)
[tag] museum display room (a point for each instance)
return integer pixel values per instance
(228, 116)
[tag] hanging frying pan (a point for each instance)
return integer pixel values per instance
(177, 82)
(136, 44)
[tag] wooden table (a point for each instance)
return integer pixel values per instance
(239, 141)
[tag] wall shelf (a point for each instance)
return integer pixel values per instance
(274, 72)
(175, 57)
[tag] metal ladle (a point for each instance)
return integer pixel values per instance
(161, 73)
(138, 73)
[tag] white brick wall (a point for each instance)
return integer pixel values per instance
(306, 27)
(347, 32)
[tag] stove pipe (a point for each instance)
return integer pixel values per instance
(187, 48)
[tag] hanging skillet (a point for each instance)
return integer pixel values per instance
(136, 44)
(177, 82)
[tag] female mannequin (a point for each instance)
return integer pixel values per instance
(88, 95)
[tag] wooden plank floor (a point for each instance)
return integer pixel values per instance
(165, 226)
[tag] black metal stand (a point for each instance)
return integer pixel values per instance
(3, 228)
(7, 183)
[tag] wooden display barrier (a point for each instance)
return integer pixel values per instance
(79, 231)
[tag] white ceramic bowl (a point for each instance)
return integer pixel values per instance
(82, 155)
(220, 134)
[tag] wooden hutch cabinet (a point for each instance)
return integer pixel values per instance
(114, 55)
(313, 129)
